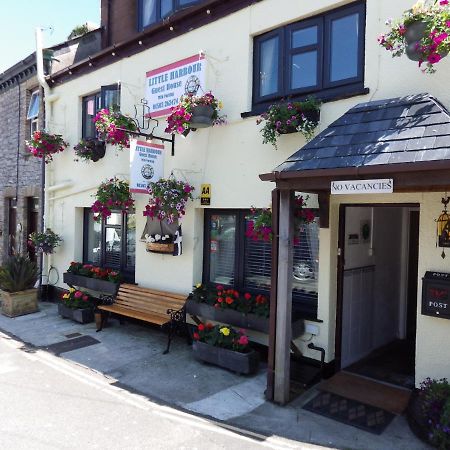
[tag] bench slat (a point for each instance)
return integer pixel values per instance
(138, 299)
(135, 289)
(160, 309)
(147, 317)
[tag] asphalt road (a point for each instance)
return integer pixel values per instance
(49, 403)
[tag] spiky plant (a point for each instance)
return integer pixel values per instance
(18, 274)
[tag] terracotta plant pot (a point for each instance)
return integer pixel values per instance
(242, 363)
(19, 303)
(202, 117)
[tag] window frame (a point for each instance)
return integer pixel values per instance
(33, 95)
(324, 88)
(308, 309)
(127, 274)
(158, 19)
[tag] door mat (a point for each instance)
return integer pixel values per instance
(71, 344)
(370, 392)
(351, 412)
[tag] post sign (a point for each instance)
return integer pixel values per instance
(383, 186)
(146, 165)
(436, 295)
(205, 195)
(165, 85)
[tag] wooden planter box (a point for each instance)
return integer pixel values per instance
(242, 363)
(108, 287)
(19, 303)
(228, 316)
(77, 315)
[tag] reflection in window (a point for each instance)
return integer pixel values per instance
(222, 248)
(304, 70)
(304, 37)
(269, 68)
(131, 241)
(94, 239)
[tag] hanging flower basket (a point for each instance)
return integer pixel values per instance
(168, 199)
(195, 112)
(157, 243)
(113, 194)
(259, 225)
(422, 33)
(91, 149)
(45, 145)
(44, 242)
(113, 127)
(291, 117)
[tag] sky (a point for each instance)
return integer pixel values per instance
(19, 18)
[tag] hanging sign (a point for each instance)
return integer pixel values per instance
(146, 165)
(383, 186)
(165, 85)
(205, 195)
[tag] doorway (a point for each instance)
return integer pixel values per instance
(377, 294)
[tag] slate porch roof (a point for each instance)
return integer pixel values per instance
(407, 130)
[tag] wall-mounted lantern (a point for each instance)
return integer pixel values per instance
(443, 227)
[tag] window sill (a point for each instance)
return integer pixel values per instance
(323, 96)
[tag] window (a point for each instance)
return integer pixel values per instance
(33, 112)
(111, 243)
(322, 55)
(232, 259)
(107, 97)
(153, 11)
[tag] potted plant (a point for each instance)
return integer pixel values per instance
(92, 277)
(114, 128)
(90, 149)
(45, 242)
(227, 305)
(224, 347)
(194, 112)
(76, 305)
(160, 243)
(45, 145)
(113, 194)
(291, 117)
(17, 279)
(428, 412)
(422, 33)
(259, 225)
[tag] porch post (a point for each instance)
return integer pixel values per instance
(284, 298)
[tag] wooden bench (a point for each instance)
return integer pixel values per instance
(149, 305)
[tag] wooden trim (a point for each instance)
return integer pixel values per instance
(273, 296)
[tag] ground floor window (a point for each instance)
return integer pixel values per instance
(111, 243)
(32, 222)
(233, 259)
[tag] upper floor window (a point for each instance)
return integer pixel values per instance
(107, 97)
(153, 11)
(321, 55)
(33, 112)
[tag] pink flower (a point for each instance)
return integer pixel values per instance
(78, 294)
(243, 340)
(440, 38)
(434, 58)
(443, 2)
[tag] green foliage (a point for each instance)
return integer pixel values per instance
(78, 31)
(222, 336)
(76, 299)
(45, 242)
(18, 274)
(290, 117)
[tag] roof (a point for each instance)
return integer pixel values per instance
(402, 131)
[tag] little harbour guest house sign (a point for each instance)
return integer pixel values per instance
(383, 186)
(165, 85)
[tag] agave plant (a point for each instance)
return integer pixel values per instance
(18, 274)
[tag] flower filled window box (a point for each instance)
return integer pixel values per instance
(92, 277)
(226, 348)
(90, 149)
(76, 305)
(158, 243)
(45, 145)
(422, 33)
(194, 112)
(292, 117)
(114, 128)
(44, 242)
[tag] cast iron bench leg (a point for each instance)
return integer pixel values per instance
(177, 318)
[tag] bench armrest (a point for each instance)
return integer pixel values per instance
(177, 315)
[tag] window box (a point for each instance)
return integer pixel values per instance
(242, 363)
(228, 316)
(83, 316)
(107, 287)
(19, 303)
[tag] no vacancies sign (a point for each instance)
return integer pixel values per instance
(146, 165)
(165, 85)
(383, 186)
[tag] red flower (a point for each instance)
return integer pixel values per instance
(196, 336)
(247, 296)
(201, 327)
(229, 300)
(210, 326)
(85, 298)
(220, 299)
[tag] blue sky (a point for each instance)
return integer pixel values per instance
(19, 18)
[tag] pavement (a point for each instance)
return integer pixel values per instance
(129, 358)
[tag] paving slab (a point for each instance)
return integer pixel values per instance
(131, 356)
